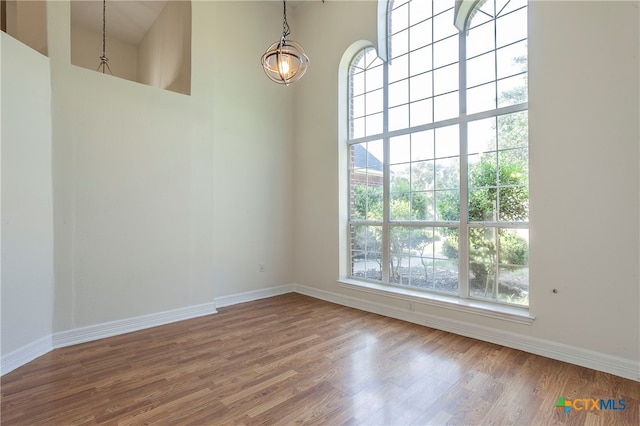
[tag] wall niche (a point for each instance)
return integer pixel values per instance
(26, 21)
(146, 41)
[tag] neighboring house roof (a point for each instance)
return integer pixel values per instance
(364, 159)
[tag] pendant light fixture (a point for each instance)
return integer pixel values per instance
(104, 66)
(285, 61)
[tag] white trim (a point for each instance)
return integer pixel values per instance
(114, 328)
(454, 303)
(586, 358)
(25, 354)
(583, 357)
(249, 296)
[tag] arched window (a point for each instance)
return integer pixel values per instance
(438, 157)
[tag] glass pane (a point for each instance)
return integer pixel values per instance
(399, 19)
(448, 204)
(446, 106)
(514, 247)
(420, 206)
(399, 117)
(399, 206)
(481, 136)
(488, 7)
(373, 78)
(419, 258)
(375, 149)
(445, 276)
(357, 128)
(483, 174)
(481, 18)
(421, 86)
(448, 173)
(514, 203)
(399, 68)
(400, 149)
(357, 106)
(420, 35)
(420, 10)
(373, 101)
(513, 269)
(513, 284)
(512, 59)
(373, 124)
(399, 93)
(445, 79)
(511, 6)
(399, 254)
(357, 84)
(421, 60)
(512, 90)
(481, 98)
(366, 255)
(399, 43)
(422, 176)
(366, 184)
(481, 69)
(447, 141)
(511, 27)
(399, 180)
(480, 39)
(445, 52)
(513, 130)
(513, 167)
(371, 58)
(482, 263)
(421, 112)
(443, 23)
(422, 145)
(482, 204)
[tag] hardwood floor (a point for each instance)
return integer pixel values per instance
(294, 359)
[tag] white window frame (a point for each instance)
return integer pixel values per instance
(461, 301)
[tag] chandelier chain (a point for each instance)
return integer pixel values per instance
(285, 25)
(104, 27)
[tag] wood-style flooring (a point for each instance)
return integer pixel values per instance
(293, 359)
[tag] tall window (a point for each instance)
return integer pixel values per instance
(438, 157)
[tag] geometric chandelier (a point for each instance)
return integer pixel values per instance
(285, 61)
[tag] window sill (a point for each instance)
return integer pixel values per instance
(475, 307)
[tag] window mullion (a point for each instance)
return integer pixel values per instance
(386, 247)
(463, 230)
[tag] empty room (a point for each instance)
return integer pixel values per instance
(365, 212)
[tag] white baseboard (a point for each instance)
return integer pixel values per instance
(578, 356)
(583, 357)
(249, 296)
(114, 328)
(25, 354)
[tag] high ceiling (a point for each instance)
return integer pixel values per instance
(127, 20)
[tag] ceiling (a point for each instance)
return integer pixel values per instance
(127, 20)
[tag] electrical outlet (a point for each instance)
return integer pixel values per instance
(261, 267)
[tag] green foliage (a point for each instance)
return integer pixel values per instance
(450, 246)
(506, 186)
(514, 249)
(367, 202)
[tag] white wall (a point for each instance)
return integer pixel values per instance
(584, 170)
(165, 201)
(164, 54)
(86, 49)
(26, 285)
